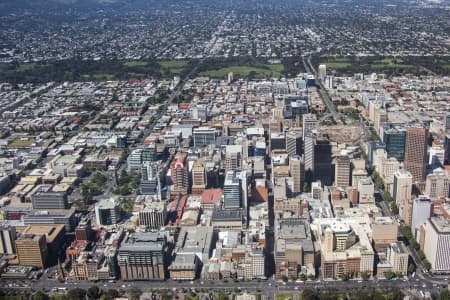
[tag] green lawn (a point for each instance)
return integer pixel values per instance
(135, 64)
(174, 66)
(26, 67)
(285, 297)
(270, 70)
(337, 64)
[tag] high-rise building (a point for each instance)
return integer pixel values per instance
(232, 191)
(153, 216)
(384, 231)
(107, 212)
(397, 256)
(322, 168)
(294, 141)
(309, 152)
(421, 211)
(416, 152)
(7, 239)
(447, 149)
(402, 187)
(134, 160)
(437, 184)
(342, 171)
(277, 141)
(447, 123)
(233, 157)
(394, 137)
(297, 170)
(436, 156)
(32, 250)
(142, 257)
(198, 177)
(45, 198)
(179, 175)
(372, 149)
(322, 71)
(310, 123)
(204, 136)
(436, 245)
(149, 153)
(150, 180)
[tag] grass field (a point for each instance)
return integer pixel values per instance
(337, 65)
(269, 70)
(135, 64)
(27, 66)
(285, 297)
(20, 144)
(99, 77)
(174, 66)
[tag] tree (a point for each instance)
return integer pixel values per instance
(111, 294)
(284, 278)
(411, 268)
(302, 277)
(39, 295)
(389, 275)
(306, 188)
(365, 275)
(394, 208)
(444, 295)
(135, 293)
(76, 294)
(309, 294)
(93, 292)
(344, 277)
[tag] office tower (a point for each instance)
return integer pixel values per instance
(372, 150)
(153, 216)
(258, 263)
(402, 186)
(329, 82)
(436, 185)
(397, 256)
(277, 114)
(179, 175)
(232, 192)
(7, 239)
(45, 198)
(200, 111)
(322, 168)
(107, 212)
(309, 152)
(294, 141)
(436, 156)
(447, 149)
(416, 152)
(233, 157)
(366, 190)
(230, 77)
(316, 190)
(381, 117)
(310, 123)
(447, 123)
(394, 137)
(150, 180)
(31, 250)
(204, 136)
(384, 231)
(277, 141)
(83, 231)
(134, 160)
(322, 71)
(342, 171)
(198, 177)
(436, 245)
(149, 153)
(421, 211)
(142, 257)
(297, 170)
(297, 108)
